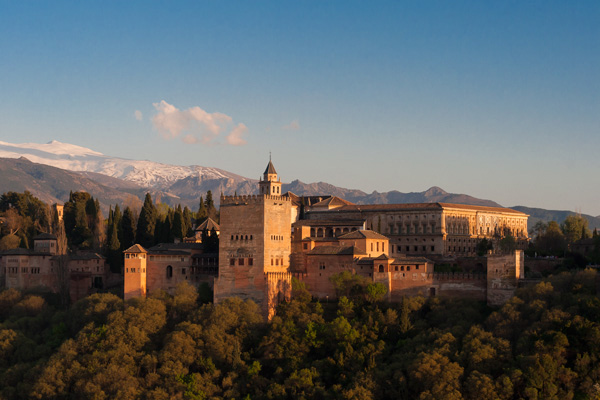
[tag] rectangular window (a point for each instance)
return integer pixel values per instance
(250, 261)
(132, 269)
(240, 261)
(182, 271)
(232, 261)
(305, 246)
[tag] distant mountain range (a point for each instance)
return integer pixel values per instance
(50, 171)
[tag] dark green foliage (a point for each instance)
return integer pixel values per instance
(483, 246)
(542, 344)
(128, 224)
(146, 223)
(24, 216)
(211, 210)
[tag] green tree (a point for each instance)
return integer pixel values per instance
(146, 223)
(508, 244)
(128, 224)
(211, 210)
(574, 227)
(202, 212)
(179, 228)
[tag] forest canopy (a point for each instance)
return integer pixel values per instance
(543, 344)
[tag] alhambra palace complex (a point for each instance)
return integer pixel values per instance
(267, 239)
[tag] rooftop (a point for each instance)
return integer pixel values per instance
(364, 234)
(208, 224)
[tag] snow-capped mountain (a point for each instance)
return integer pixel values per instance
(144, 173)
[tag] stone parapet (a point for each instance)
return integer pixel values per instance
(251, 199)
(463, 276)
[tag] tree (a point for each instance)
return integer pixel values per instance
(146, 223)
(9, 242)
(483, 246)
(211, 211)
(179, 229)
(508, 244)
(575, 227)
(113, 250)
(202, 213)
(128, 228)
(552, 241)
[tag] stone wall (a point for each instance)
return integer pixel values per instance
(503, 273)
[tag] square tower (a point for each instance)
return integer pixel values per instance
(254, 243)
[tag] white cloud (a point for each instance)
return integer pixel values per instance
(235, 137)
(196, 124)
(292, 126)
(138, 115)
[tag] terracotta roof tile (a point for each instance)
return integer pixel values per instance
(136, 248)
(364, 234)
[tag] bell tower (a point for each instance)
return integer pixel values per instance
(270, 183)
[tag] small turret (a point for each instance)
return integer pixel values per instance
(270, 184)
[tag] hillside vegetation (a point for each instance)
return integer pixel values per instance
(542, 344)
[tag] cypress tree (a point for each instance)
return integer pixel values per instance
(202, 213)
(179, 225)
(210, 206)
(187, 219)
(117, 218)
(114, 255)
(146, 223)
(128, 228)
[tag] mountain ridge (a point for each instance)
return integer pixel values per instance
(113, 180)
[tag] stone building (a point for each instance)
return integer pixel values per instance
(266, 239)
(165, 266)
(428, 229)
(255, 245)
(40, 268)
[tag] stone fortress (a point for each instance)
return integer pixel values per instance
(267, 239)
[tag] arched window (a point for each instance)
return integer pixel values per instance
(169, 271)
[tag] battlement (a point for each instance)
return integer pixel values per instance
(278, 276)
(251, 199)
(456, 276)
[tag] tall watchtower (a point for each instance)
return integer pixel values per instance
(255, 244)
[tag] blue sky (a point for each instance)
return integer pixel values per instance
(499, 100)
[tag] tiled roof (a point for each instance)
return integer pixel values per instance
(364, 234)
(410, 260)
(45, 236)
(336, 250)
(425, 206)
(329, 222)
(168, 252)
(208, 224)
(306, 200)
(136, 248)
(332, 202)
(86, 256)
(177, 246)
(270, 168)
(19, 252)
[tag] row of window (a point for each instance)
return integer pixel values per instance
(415, 248)
(134, 269)
(377, 246)
(241, 237)
(381, 268)
(276, 237)
(276, 261)
(133, 255)
(241, 261)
